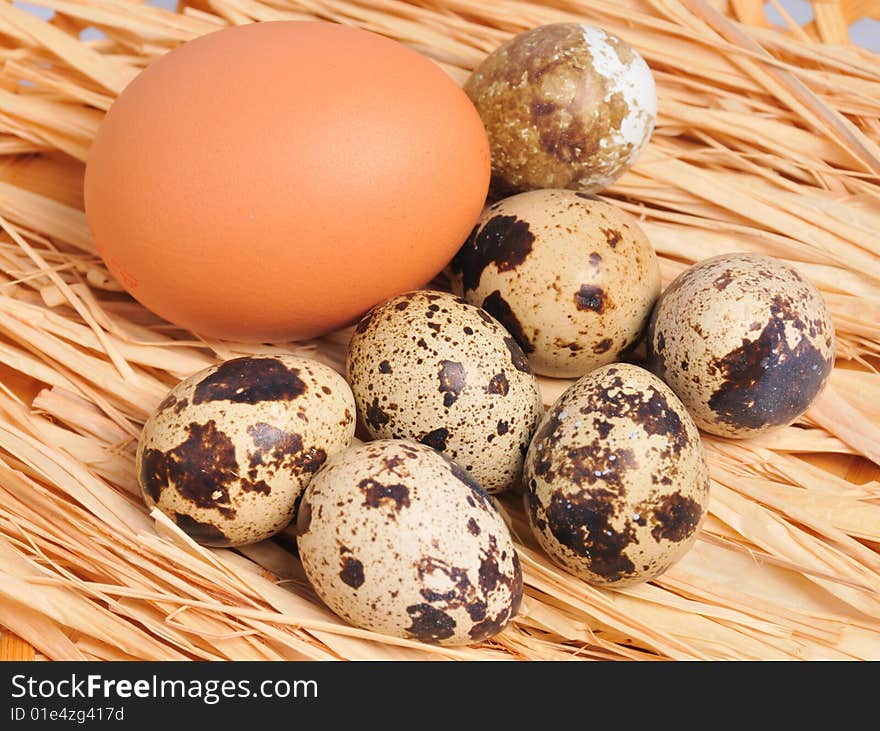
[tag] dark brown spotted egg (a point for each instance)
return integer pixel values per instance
(227, 454)
(571, 277)
(566, 105)
(398, 539)
(616, 479)
(430, 367)
(745, 341)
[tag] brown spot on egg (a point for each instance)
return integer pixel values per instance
(376, 495)
(504, 241)
(278, 449)
(392, 463)
(502, 427)
(303, 517)
(352, 572)
(473, 527)
(563, 345)
(206, 534)
(590, 297)
(201, 468)
(535, 509)
(566, 142)
(603, 346)
(460, 593)
(540, 108)
(476, 610)
(661, 342)
(766, 382)
(490, 626)
(364, 322)
(401, 306)
(452, 381)
(154, 473)
(597, 461)
(583, 524)
(490, 573)
(436, 438)
(385, 367)
(497, 306)
(548, 429)
(602, 427)
(656, 416)
(498, 384)
(723, 280)
(429, 624)
(167, 402)
(250, 381)
(676, 516)
(612, 236)
(516, 587)
(375, 416)
(519, 360)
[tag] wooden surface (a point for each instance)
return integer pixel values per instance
(61, 177)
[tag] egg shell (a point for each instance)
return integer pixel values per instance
(398, 539)
(304, 170)
(617, 482)
(566, 105)
(228, 452)
(572, 277)
(430, 367)
(745, 341)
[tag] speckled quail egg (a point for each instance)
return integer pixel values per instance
(430, 367)
(745, 341)
(566, 105)
(398, 539)
(616, 478)
(571, 277)
(228, 452)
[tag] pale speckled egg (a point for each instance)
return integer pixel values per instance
(566, 105)
(397, 538)
(430, 367)
(228, 452)
(571, 277)
(617, 482)
(745, 341)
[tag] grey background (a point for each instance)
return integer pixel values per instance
(866, 32)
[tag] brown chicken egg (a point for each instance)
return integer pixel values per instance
(430, 367)
(272, 181)
(571, 277)
(398, 539)
(228, 452)
(617, 483)
(745, 341)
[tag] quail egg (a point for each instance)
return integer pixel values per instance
(617, 482)
(228, 452)
(571, 277)
(398, 539)
(430, 367)
(745, 341)
(566, 105)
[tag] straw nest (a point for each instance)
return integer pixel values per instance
(767, 141)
